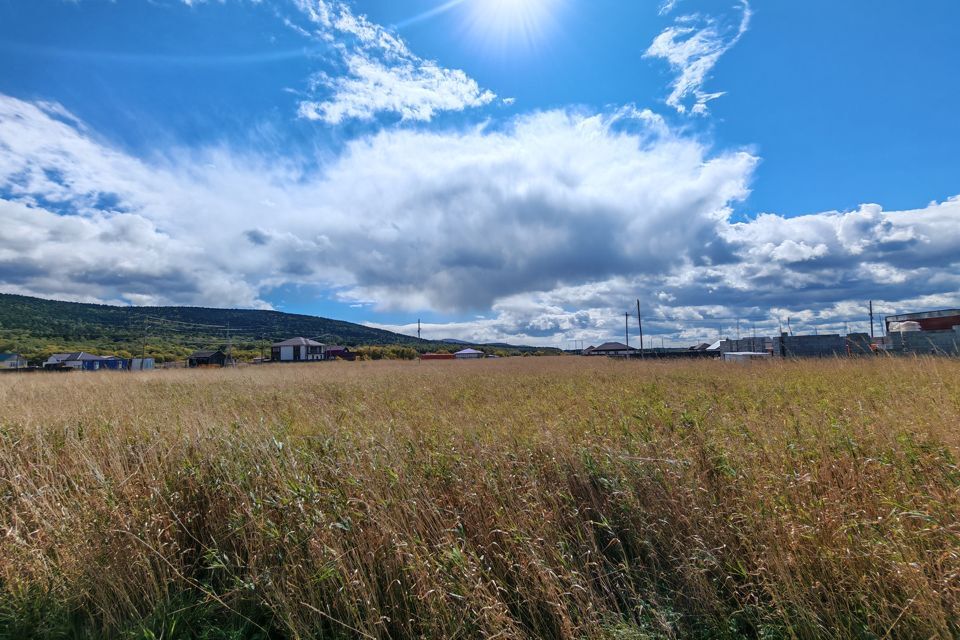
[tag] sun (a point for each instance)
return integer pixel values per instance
(507, 24)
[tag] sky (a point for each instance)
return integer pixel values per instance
(503, 170)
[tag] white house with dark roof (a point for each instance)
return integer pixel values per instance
(297, 350)
(610, 349)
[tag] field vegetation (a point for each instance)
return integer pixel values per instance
(520, 498)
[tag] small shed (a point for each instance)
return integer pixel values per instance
(468, 354)
(337, 352)
(207, 358)
(12, 361)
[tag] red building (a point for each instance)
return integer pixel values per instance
(943, 320)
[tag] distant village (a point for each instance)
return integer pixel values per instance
(924, 333)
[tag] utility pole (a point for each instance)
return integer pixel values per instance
(143, 345)
(418, 328)
(738, 329)
(640, 325)
(626, 327)
(789, 328)
(229, 344)
(872, 336)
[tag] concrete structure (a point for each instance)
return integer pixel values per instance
(925, 342)
(468, 354)
(822, 346)
(297, 350)
(12, 361)
(860, 344)
(746, 345)
(610, 349)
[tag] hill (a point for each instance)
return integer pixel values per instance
(37, 328)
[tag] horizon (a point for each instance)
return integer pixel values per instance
(513, 171)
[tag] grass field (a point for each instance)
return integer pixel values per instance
(519, 498)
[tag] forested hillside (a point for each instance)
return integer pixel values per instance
(36, 328)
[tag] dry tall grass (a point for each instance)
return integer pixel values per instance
(520, 498)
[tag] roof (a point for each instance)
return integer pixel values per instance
(336, 347)
(298, 342)
(924, 315)
(206, 353)
(76, 356)
(468, 352)
(614, 346)
(9, 356)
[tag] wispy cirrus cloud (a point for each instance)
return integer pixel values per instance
(692, 46)
(378, 73)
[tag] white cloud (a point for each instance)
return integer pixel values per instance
(692, 46)
(380, 75)
(550, 226)
(412, 91)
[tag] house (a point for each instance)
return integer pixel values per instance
(77, 360)
(207, 358)
(12, 361)
(612, 349)
(468, 354)
(297, 350)
(337, 352)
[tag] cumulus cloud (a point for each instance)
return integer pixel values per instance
(692, 46)
(549, 225)
(379, 74)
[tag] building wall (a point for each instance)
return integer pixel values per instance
(755, 345)
(926, 342)
(825, 346)
(14, 363)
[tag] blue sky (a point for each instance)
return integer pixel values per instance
(503, 169)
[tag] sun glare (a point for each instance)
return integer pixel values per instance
(507, 24)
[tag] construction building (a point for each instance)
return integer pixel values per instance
(927, 332)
